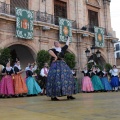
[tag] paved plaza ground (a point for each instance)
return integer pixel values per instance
(87, 106)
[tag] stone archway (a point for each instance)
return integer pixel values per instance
(99, 61)
(24, 53)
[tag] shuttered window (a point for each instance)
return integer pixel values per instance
(93, 20)
(18, 3)
(60, 8)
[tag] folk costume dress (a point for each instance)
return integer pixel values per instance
(105, 82)
(19, 83)
(86, 82)
(96, 82)
(60, 81)
(7, 82)
(114, 79)
(32, 85)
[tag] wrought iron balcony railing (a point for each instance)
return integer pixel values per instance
(90, 28)
(38, 16)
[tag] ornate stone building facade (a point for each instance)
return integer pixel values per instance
(85, 14)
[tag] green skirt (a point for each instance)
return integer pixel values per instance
(97, 84)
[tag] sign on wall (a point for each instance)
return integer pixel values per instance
(24, 23)
(65, 29)
(99, 36)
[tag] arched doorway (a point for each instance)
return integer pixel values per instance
(99, 61)
(24, 53)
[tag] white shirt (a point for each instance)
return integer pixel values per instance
(42, 72)
(58, 49)
(114, 72)
(98, 70)
(27, 68)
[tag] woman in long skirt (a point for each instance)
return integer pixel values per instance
(97, 84)
(32, 85)
(86, 81)
(19, 83)
(114, 78)
(6, 88)
(105, 82)
(60, 81)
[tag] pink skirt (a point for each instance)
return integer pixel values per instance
(6, 85)
(87, 84)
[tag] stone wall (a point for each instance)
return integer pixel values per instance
(44, 39)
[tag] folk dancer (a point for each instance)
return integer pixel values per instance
(114, 78)
(96, 82)
(104, 79)
(6, 89)
(19, 83)
(86, 81)
(60, 81)
(32, 85)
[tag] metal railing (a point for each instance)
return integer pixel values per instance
(90, 28)
(38, 16)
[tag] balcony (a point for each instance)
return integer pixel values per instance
(90, 28)
(38, 16)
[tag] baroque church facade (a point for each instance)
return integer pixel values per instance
(84, 14)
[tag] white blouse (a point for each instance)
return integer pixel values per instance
(114, 72)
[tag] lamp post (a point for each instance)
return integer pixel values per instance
(87, 53)
(98, 53)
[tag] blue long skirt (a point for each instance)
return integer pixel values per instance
(115, 81)
(106, 84)
(60, 81)
(33, 87)
(97, 84)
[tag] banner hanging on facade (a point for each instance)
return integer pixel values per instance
(65, 29)
(24, 23)
(99, 36)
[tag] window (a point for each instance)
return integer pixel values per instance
(118, 55)
(60, 10)
(93, 20)
(117, 47)
(18, 3)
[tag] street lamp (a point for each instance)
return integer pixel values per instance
(87, 52)
(98, 53)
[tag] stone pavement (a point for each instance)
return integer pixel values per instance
(87, 106)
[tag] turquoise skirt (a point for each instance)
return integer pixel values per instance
(33, 87)
(97, 84)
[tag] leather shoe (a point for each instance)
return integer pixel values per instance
(70, 97)
(54, 99)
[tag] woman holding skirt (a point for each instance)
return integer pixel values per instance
(32, 85)
(105, 82)
(97, 84)
(86, 81)
(60, 81)
(6, 89)
(19, 83)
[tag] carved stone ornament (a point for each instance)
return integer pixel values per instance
(95, 3)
